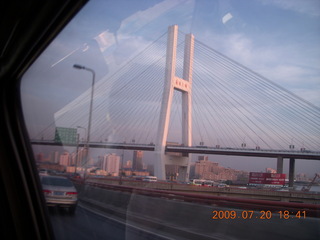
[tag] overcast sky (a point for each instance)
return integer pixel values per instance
(278, 39)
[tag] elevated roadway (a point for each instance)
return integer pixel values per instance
(265, 153)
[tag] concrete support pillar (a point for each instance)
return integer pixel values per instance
(280, 165)
(187, 93)
(291, 171)
(166, 103)
(184, 85)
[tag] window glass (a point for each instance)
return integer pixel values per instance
(182, 119)
(56, 181)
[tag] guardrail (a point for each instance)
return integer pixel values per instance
(265, 194)
(313, 210)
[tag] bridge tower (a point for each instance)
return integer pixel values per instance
(184, 85)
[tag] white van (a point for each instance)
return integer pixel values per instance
(149, 179)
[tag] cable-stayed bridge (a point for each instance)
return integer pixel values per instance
(235, 111)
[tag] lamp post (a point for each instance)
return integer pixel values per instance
(80, 67)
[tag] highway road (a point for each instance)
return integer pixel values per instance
(86, 224)
(94, 225)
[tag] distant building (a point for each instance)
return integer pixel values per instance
(271, 170)
(101, 172)
(140, 173)
(52, 166)
(128, 164)
(82, 156)
(54, 157)
(192, 171)
(111, 164)
(150, 169)
(40, 157)
(172, 172)
(137, 160)
(73, 159)
(203, 158)
(65, 159)
(205, 169)
(301, 177)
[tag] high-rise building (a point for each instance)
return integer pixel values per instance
(65, 159)
(111, 164)
(54, 157)
(73, 158)
(137, 160)
(82, 157)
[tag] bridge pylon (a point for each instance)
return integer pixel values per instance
(184, 85)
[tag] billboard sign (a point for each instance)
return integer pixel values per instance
(267, 178)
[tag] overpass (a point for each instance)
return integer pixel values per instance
(264, 153)
(185, 151)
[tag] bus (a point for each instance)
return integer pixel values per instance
(149, 179)
(203, 182)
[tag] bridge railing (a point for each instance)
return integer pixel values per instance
(204, 197)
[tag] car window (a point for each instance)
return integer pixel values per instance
(56, 181)
(180, 119)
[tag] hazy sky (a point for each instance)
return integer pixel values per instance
(278, 39)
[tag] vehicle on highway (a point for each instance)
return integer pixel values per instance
(222, 185)
(203, 182)
(60, 192)
(43, 172)
(149, 179)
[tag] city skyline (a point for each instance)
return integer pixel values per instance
(216, 162)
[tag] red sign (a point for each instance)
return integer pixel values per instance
(267, 178)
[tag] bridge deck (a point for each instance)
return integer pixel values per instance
(307, 155)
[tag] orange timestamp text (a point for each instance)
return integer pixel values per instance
(250, 214)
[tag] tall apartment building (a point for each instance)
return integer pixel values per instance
(54, 157)
(64, 159)
(137, 160)
(82, 157)
(111, 164)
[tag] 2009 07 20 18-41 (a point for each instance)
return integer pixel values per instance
(250, 214)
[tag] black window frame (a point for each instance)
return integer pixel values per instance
(27, 27)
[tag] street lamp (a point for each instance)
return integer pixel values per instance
(80, 67)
